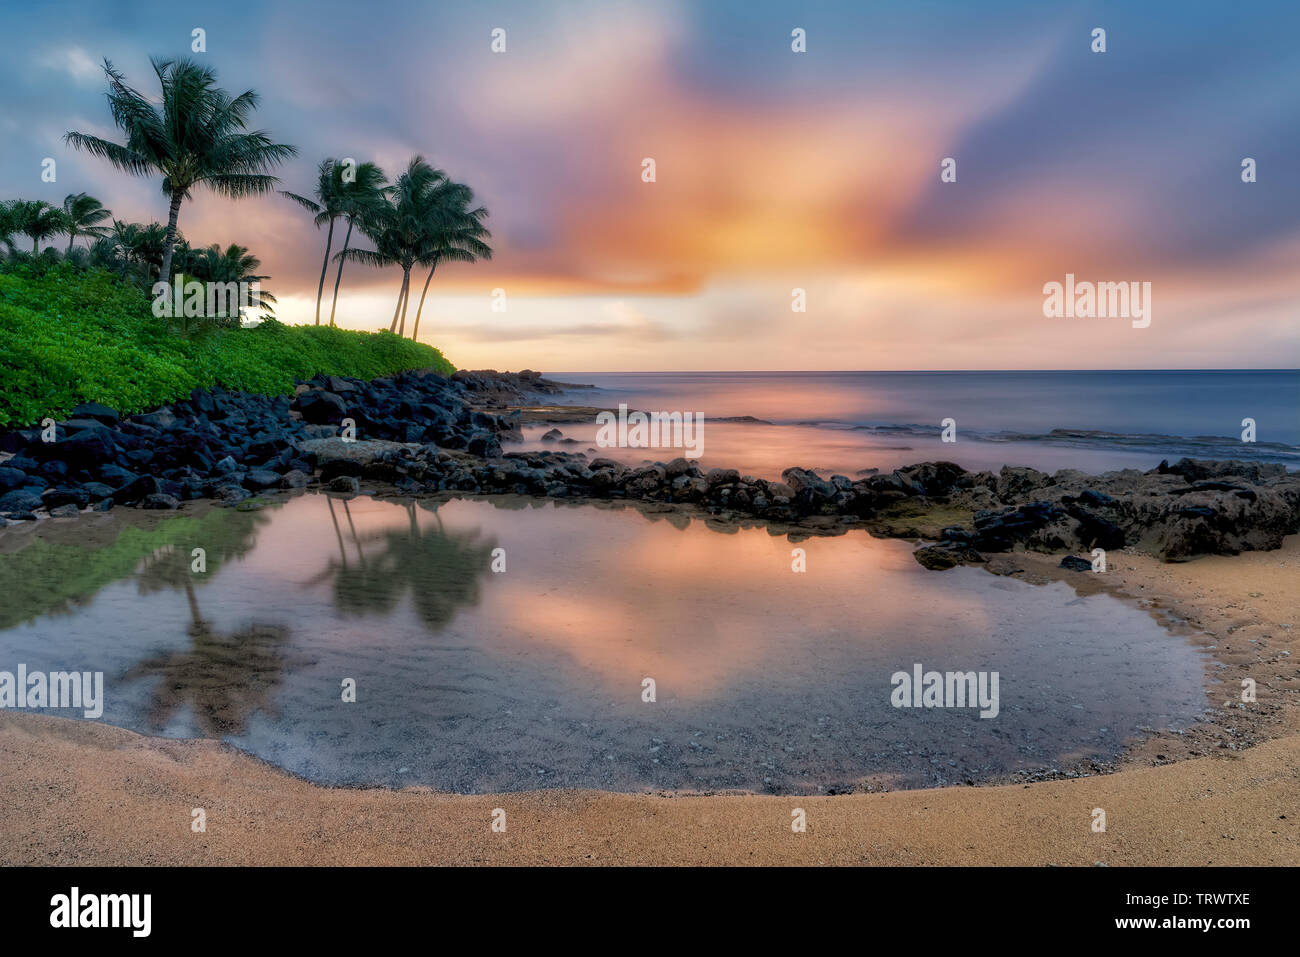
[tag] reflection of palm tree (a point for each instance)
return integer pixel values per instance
(223, 678)
(441, 569)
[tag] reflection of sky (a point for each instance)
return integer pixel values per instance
(775, 169)
(533, 677)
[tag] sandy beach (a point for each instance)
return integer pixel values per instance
(1225, 792)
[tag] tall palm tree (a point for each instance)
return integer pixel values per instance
(198, 135)
(84, 213)
(397, 229)
(453, 233)
(37, 220)
(360, 198)
(325, 209)
(427, 220)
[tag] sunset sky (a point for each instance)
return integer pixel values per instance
(775, 170)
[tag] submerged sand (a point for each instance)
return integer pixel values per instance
(1226, 792)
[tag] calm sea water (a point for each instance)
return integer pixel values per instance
(847, 421)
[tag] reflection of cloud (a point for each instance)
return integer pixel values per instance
(698, 611)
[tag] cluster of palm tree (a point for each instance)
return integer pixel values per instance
(196, 134)
(422, 219)
(135, 251)
(232, 264)
(81, 215)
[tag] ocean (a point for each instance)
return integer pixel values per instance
(855, 421)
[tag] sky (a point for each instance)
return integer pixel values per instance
(775, 170)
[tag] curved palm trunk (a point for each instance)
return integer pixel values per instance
(415, 333)
(406, 301)
(401, 294)
(324, 268)
(403, 297)
(170, 243)
(71, 237)
(339, 278)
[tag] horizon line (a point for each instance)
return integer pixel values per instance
(883, 371)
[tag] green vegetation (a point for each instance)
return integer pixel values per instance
(60, 569)
(68, 337)
(195, 135)
(77, 324)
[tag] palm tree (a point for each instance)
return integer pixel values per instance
(198, 135)
(426, 221)
(406, 229)
(379, 227)
(232, 264)
(360, 198)
(84, 213)
(454, 233)
(38, 220)
(327, 208)
(397, 229)
(8, 224)
(103, 253)
(149, 248)
(121, 239)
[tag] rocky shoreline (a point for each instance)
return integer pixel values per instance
(420, 432)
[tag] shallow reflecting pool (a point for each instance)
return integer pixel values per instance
(473, 679)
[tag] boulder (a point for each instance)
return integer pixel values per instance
(346, 484)
(85, 449)
(160, 501)
(11, 479)
(946, 555)
(20, 501)
(259, 479)
(65, 495)
(319, 407)
(1017, 482)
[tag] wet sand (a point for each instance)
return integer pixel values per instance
(81, 793)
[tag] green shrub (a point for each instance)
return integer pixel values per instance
(68, 337)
